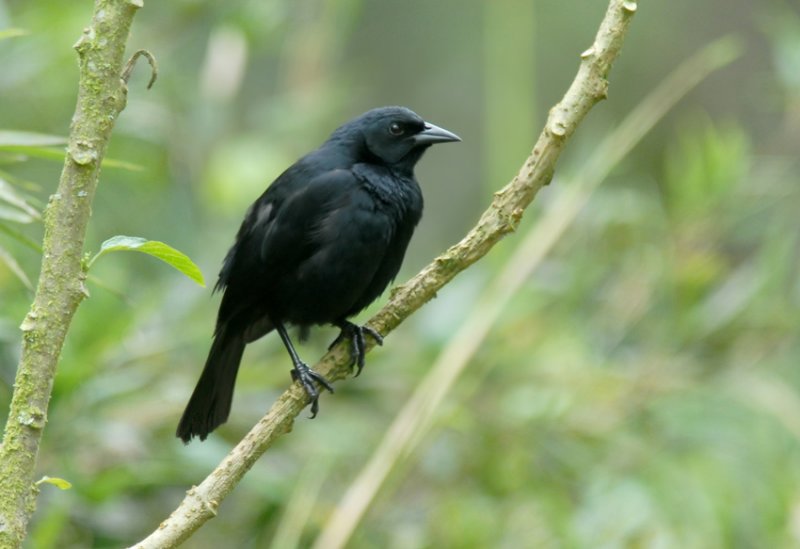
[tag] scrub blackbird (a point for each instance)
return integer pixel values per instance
(321, 243)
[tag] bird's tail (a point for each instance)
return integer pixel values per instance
(210, 403)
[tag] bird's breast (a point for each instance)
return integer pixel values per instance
(397, 194)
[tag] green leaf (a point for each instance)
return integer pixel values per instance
(13, 214)
(48, 153)
(11, 33)
(23, 185)
(21, 238)
(9, 195)
(122, 165)
(55, 481)
(10, 138)
(14, 267)
(159, 250)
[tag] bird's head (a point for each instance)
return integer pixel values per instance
(395, 136)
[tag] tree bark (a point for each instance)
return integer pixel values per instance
(101, 97)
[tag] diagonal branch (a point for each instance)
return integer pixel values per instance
(419, 412)
(502, 217)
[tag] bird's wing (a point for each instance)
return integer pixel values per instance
(327, 233)
(347, 235)
(245, 256)
(329, 226)
(291, 233)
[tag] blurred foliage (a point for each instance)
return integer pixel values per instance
(642, 390)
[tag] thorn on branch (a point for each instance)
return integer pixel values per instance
(126, 73)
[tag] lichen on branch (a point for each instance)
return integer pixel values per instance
(101, 97)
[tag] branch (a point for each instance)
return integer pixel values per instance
(502, 217)
(417, 416)
(101, 97)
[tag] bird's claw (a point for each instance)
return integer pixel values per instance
(306, 376)
(358, 349)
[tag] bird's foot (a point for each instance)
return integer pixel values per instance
(306, 376)
(358, 348)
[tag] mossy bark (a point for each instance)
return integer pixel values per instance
(101, 97)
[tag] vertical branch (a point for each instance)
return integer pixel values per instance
(101, 97)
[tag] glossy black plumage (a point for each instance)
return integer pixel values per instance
(321, 243)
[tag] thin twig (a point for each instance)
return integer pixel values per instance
(126, 73)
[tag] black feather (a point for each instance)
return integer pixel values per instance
(319, 245)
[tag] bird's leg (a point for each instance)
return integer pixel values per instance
(302, 373)
(355, 334)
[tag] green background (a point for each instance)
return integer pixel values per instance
(642, 389)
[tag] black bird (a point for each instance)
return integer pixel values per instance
(321, 243)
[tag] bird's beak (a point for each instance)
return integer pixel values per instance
(434, 134)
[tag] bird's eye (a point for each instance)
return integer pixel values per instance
(395, 129)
